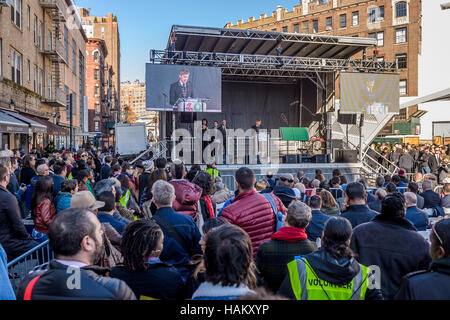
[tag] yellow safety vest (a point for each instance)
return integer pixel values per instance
(212, 172)
(125, 198)
(307, 286)
(70, 177)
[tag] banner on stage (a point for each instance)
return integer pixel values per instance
(369, 93)
(183, 88)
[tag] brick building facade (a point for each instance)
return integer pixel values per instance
(42, 60)
(396, 24)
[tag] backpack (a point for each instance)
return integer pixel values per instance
(279, 217)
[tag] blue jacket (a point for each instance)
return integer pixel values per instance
(315, 227)
(57, 181)
(105, 172)
(418, 218)
(358, 214)
(104, 217)
(6, 291)
(173, 252)
(62, 201)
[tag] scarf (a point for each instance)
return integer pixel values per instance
(290, 234)
(210, 206)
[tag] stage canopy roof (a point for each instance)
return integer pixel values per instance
(443, 95)
(203, 39)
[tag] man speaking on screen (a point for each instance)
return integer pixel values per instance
(182, 89)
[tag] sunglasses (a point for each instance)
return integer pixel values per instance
(285, 179)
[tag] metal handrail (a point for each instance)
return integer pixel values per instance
(21, 266)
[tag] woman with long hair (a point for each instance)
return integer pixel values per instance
(42, 209)
(148, 207)
(142, 270)
(229, 267)
(332, 273)
(207, 207)
(28, 170)
(329, 205)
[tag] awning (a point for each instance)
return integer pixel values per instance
(294, 134)
(443, 95)
(52, 129)
(9, 124)
(36, 127)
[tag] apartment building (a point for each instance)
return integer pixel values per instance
(42, 64)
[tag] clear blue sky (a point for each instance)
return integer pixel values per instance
(145, 24)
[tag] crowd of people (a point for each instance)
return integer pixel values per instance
(156, 230)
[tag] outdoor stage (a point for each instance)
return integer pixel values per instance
(284, 79)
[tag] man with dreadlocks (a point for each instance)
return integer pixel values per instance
(142, 270)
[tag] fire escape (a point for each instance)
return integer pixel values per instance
(56, 53)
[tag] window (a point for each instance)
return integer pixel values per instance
(28, 70)
(96, 74)
(66, 43)
(400, 35)
(41, 82)
(380, 59)
(401, 61)
(96, 92)
(1, 56)
(380, 39)
(16, 67)
(315, 26)
(355, 18)
(402, 86)
(28, 17)
(49, 40)
(96, 126)
(285, 29)
(96, 56)
(376, 14)
(381, 13)
(329, 23)
(97, 108)
(16, 12)
(35, 79)
(81, 85)
(66, 92)
(305, 27)
(296, 28)
(74, 56)
(49, 88)
(41, 36)
(35, 31)
(343, 20)
(401, 9)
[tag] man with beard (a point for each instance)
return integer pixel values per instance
(76, 239)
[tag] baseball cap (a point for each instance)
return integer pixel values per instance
(85, 199)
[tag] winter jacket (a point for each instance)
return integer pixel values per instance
(43, 215)
(252, 212)
(57, 181)
(358, 214)
(418, 218)
(187, 196)
(406, 162)
(332, 212)
(124, 212)
(331, 270)
(394, 246)
(25, 176)
(375, 205)
(173, 252)
(431, 198)
(105, 172)
(433, 284)
(315, 228)
(273, 256)
(94, 285)
(209, 291)
(104, 217)
(445, 201)
(13, 235)
(160, 281)
(221, 196)
(205, 210)
(6, 290)
(62, 201)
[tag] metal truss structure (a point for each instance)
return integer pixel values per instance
(269, 67)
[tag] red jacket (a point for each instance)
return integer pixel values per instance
(252, 212)
(187, 196)
(45, 212)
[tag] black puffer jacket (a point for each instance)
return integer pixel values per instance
(94, 285)
(433, 284)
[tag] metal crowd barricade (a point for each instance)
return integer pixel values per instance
(230, 182)
(21, 266)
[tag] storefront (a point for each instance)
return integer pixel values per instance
(14, 133)
(36, 130)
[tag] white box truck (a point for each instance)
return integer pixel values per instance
(131, 139)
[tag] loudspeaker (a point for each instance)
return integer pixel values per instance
(346, 156)
(290, 158)
(347, 118)
(320, 158)
(304, 158)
